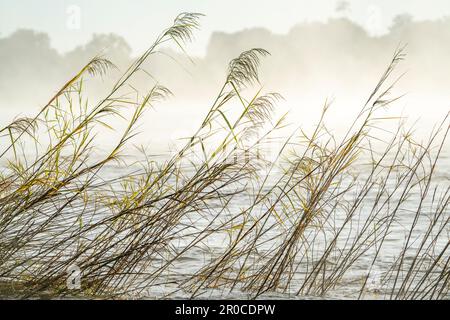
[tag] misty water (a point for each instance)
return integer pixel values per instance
(173, 279)
(378, 283)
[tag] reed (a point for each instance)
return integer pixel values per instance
(309, 223)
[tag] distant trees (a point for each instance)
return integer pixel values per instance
(332, 53)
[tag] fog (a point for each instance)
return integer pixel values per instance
(336, 60)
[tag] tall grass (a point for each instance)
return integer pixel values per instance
(319, 218)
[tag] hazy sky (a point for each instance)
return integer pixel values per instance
(72, 22)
